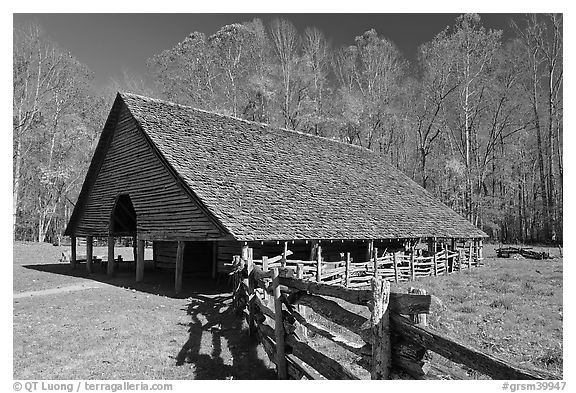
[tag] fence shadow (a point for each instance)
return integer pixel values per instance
(219, 346)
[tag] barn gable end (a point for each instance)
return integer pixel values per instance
(126, 162)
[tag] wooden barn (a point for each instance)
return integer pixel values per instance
(199, 186)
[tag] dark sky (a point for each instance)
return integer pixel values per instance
(107, 43)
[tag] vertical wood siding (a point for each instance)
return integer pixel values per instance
(164, 210)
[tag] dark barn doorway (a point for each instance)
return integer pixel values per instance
(123, 219)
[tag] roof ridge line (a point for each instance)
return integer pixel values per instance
(261, 124)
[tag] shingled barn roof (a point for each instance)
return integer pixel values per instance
(265, 183)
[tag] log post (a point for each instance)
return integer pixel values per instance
(412, 268)
(460, 258)
(73, 252)
(313, 250)
(369, 250)
(480, 246)
(265, 269)
(140, 260)
(434, 261)
(318, 263)
(179, 267)
(135, 249)
(89, 253)
(395, 262)
(110, 255)
(278, 327)
(214, 259)
(347, 274)
(250, 282)
(300, 308)
(419, 319)
(284, 256)
(380, 323)
(447, 264)
(375, 261)
(470, 256)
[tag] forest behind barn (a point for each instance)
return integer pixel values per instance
(475, 119)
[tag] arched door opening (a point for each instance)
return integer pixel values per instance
(123, 219)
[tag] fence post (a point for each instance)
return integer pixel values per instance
(480, 245)
(375, 256)
(380, 323)
(435, 262)
(250, 282)
(318, 263)
(278, 327)
(301, 309)
(419, 319)
(447, 261)
(347, 277)
(412, 268)
(470, 256)
(265, 269)
(284, 256)
(460, 258)
(395, 262)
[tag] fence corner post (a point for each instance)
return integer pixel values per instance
(279, 327)
(380, 323)
(419, 319)
(250, 282)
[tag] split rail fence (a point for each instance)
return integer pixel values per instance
(275, 301)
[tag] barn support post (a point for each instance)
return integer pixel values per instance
(139, 260)
(214, 258)
(412, 267)
(313, 250)
(347, 276)
(375, 261)
(380, 323)
(480, 246)
(284, 255)
(110, 255)
(395, 263)
(318, 263)
(470, 255)
(447, 264)
(434, 261)
(135, 249)
(369, 249)
(179, 266)
(73, 252)
(89, 253)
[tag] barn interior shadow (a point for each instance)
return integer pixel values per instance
(156, 281)
(216, 329)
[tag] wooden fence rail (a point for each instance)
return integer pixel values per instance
(277, 305)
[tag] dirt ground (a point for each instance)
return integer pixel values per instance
(71, 325)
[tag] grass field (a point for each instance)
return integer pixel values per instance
(95, 328)
(71, 326)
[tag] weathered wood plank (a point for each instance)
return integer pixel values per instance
(278, 327)
(380, 324)
(140, 260)
(179, 267)
(459, 353)
(325, 365)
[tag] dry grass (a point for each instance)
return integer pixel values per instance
(123, 331)
(510, 308)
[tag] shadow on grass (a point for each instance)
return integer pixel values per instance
(219, 345)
